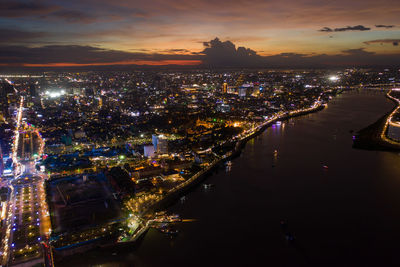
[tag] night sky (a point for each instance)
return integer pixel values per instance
(234, 33)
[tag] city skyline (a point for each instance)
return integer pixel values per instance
(206, 33)
(199, 133)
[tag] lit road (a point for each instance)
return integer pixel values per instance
(9, 216)
(389, 119)
(27, 223)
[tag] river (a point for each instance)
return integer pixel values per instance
(347, 214)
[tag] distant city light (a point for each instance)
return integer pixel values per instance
(55, 94)
(333, 78)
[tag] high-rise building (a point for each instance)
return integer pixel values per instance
(148, 151)
(162, 146)
(154, 140)
(225, 88)
(242, 91)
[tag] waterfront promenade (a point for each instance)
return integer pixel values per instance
(375, 136)
(388, 122)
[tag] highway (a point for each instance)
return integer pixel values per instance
(27, 224)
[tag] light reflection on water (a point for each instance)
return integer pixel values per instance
(346, 214)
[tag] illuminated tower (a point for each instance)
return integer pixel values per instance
(225, 88)
(100, 102)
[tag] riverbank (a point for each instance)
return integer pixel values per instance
(373, 137)
(180, 190)
(248, 203)
(192, 182)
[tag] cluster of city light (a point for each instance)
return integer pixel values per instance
(20, 76)
(138, 205)
(55, 94)
(42, 144)
(5, 242)
(9, 216)
(333, 78)
(141, 204)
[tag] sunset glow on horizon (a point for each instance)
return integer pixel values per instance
(156, 32)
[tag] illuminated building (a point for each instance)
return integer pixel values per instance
(223, 108)
(154, 140)
(162, 146)
(148, 151)
(225, 88)
(100, 102)
(242, 91)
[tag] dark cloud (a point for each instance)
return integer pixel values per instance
(394, 42)
(326, 29)
(224, 54)
(176, 51)
(358, 52)
(19, 36)
(352, 28)
(13, 9)
(347, 28)
(352, 57)
(218, 53)
(385, 26)
(78, 55)
(41, 10)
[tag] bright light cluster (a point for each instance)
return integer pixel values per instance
(55, 94)
(333, 78)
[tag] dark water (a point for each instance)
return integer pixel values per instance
(346, 215)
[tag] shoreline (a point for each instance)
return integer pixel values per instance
(373, 137)
(196, 179)
(183, 188)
